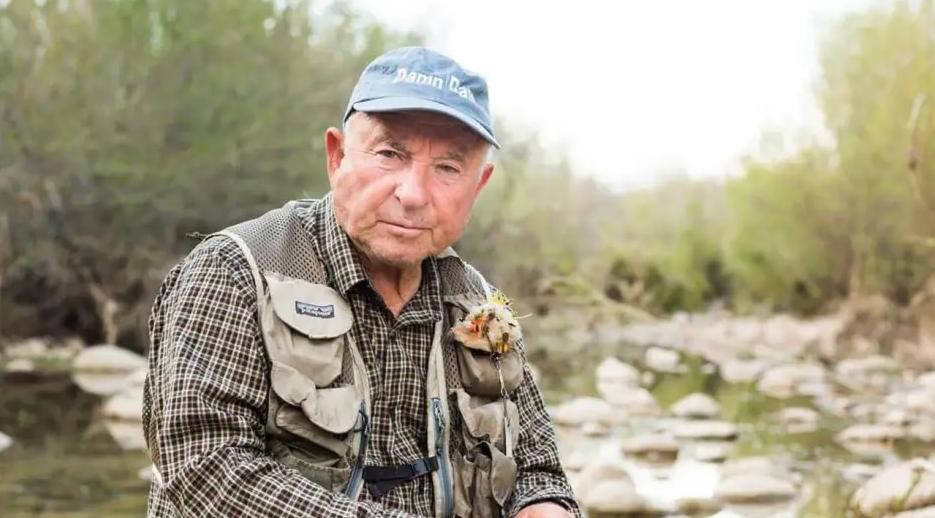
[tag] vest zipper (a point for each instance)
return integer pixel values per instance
(353, 485)
(441, 452)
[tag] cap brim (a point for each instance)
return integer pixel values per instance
(395, 104)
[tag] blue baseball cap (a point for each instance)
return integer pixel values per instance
(417, 78)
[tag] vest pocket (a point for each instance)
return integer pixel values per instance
(306, 463)
(483, 419)
(483, 482)
(304, 327)
(484, 475)
(312, 411)
(479, 374)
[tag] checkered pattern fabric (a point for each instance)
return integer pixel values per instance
(205, 398)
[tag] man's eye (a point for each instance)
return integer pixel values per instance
(389, 153)
(448, 169)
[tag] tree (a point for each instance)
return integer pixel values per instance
(127, 124)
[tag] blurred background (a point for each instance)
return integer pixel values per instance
(720, 216)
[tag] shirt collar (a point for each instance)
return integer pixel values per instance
(345, 271)
(335, 250)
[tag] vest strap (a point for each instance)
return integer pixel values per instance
(382, 479)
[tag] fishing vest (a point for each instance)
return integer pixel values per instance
(319, 405)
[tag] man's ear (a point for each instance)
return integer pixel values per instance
(334, 151)
(484, 177)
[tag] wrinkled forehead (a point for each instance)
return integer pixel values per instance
(413, 125)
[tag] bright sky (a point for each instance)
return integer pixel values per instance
(633, 90)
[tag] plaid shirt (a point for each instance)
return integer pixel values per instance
(205, 400)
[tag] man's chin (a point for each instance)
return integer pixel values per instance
(396, 256)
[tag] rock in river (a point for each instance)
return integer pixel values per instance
(600, 471)
(106, 370)
(717, 430)
(579, 411)
(614, 371)
(904, 487)
(108, 358)
(663, 360)
(870, 433)
(755, 488)
(785, 381)
(797, 419)
(634, 401)
(652, 448)
(697, 406)
(614, 497)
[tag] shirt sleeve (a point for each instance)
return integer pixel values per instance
(205, 399)
(540, 476)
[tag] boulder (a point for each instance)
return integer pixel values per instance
(702, 430)
(578, 458)
(798, 419)
(868, 365)
(30, 348)
(870, 373)
(614, 497)
(601, 471)
(634, 401)
(108, 358)
(19, 365)
(712, 451)
(859, 472)
(870, 433)
(923, 430)
(578, 411)
(595, 429)
(742, 371)
(698, 506)
(904, 487)
(755, 488)
(128, 435)
(663, 360)
(614, 376)
(785, 381)
(614, 371)
(756, 464)
(125, 406)
(697, 406)
(652, 448)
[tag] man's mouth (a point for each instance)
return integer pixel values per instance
(403, 229)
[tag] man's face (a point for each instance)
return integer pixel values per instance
(404, 183)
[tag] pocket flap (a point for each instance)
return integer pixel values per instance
(502, 475)
(332, 409)
(479, 372)
(315, 310)
(484, 419)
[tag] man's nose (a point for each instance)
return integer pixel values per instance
(411, 190)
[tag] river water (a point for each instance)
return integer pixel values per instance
(65, 460)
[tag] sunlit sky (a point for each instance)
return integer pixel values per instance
(634, 90)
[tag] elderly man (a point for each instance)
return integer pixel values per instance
(335, 357)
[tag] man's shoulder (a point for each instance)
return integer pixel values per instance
(216, 260)
(459, 275)
(223, 248)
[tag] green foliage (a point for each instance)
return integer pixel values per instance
(127, 124)
(854, 219)
(788, 240)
